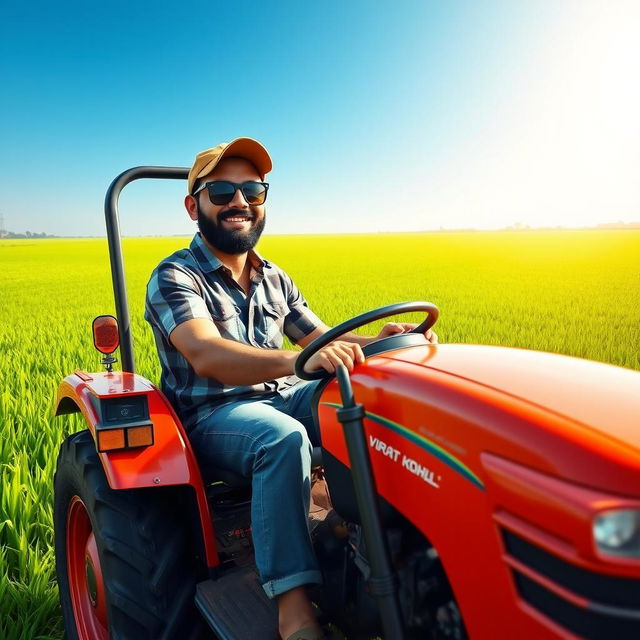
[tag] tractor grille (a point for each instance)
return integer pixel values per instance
(603, 606)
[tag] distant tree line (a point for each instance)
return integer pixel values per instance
(27, 234)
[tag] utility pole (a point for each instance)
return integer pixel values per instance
(3, 231)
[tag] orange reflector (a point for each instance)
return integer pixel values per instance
(110, 439)
(140, 436)
(105, 334)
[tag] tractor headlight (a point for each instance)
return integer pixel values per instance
(617, 532)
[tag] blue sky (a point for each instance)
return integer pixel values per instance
(379, 116)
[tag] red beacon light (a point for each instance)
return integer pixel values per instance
(106, 339)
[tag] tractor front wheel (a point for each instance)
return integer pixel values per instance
(124, 560)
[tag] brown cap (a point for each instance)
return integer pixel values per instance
(247, 148)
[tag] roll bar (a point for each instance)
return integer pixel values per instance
(115, 249)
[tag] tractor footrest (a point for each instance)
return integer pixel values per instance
(236, 607)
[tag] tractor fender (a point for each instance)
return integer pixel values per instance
(169, 461)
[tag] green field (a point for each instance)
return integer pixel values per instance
(576, 293)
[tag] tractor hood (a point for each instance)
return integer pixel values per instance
(599, 396)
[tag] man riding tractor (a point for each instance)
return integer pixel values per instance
(219, 312)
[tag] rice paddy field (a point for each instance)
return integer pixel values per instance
(576, 293)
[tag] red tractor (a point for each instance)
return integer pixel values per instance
(460, 491)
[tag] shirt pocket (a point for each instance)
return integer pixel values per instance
(226, 317)
(272, 323)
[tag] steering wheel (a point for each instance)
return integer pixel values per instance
(359, 321)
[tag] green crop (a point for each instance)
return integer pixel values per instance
(576, 293)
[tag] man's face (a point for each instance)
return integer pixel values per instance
(235, 227)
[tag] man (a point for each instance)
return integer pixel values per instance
(219, 312)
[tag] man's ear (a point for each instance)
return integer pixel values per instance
(191, 206)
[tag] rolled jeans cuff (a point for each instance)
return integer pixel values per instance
(274, 588)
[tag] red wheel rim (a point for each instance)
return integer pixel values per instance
(86, 586)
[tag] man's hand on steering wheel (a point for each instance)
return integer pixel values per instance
(338, 352)
(335, 351)
(394, 328)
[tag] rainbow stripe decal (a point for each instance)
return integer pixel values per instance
(424, 443)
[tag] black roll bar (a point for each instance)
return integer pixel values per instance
(115, 248)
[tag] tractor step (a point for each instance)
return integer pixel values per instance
(236, 607)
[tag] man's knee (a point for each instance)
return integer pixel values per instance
(287, 438)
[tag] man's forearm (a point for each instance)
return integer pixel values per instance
(236, 363)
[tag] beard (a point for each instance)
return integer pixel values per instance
(230, 241)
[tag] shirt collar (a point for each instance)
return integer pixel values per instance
(209, 262)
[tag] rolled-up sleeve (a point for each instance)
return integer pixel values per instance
(300, 321)
(173, 297)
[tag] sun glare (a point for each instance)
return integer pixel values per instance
(564, 147)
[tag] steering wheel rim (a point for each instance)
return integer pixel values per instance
(359, 321)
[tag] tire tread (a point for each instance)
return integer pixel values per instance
(149, 574)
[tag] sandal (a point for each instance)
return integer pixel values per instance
(308, 633)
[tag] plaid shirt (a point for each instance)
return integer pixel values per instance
(193, 283)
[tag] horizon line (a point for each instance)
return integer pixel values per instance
(517, 228)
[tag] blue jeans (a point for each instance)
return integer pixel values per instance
(269, 439)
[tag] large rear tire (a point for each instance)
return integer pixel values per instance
(125, 561)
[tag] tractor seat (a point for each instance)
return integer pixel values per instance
(211, 475)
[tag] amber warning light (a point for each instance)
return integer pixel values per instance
(106, 338)
(124, 438)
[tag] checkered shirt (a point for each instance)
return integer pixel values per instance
(193, 283)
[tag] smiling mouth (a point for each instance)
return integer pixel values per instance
(239, 217)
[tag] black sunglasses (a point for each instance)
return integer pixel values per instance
(222, 191)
